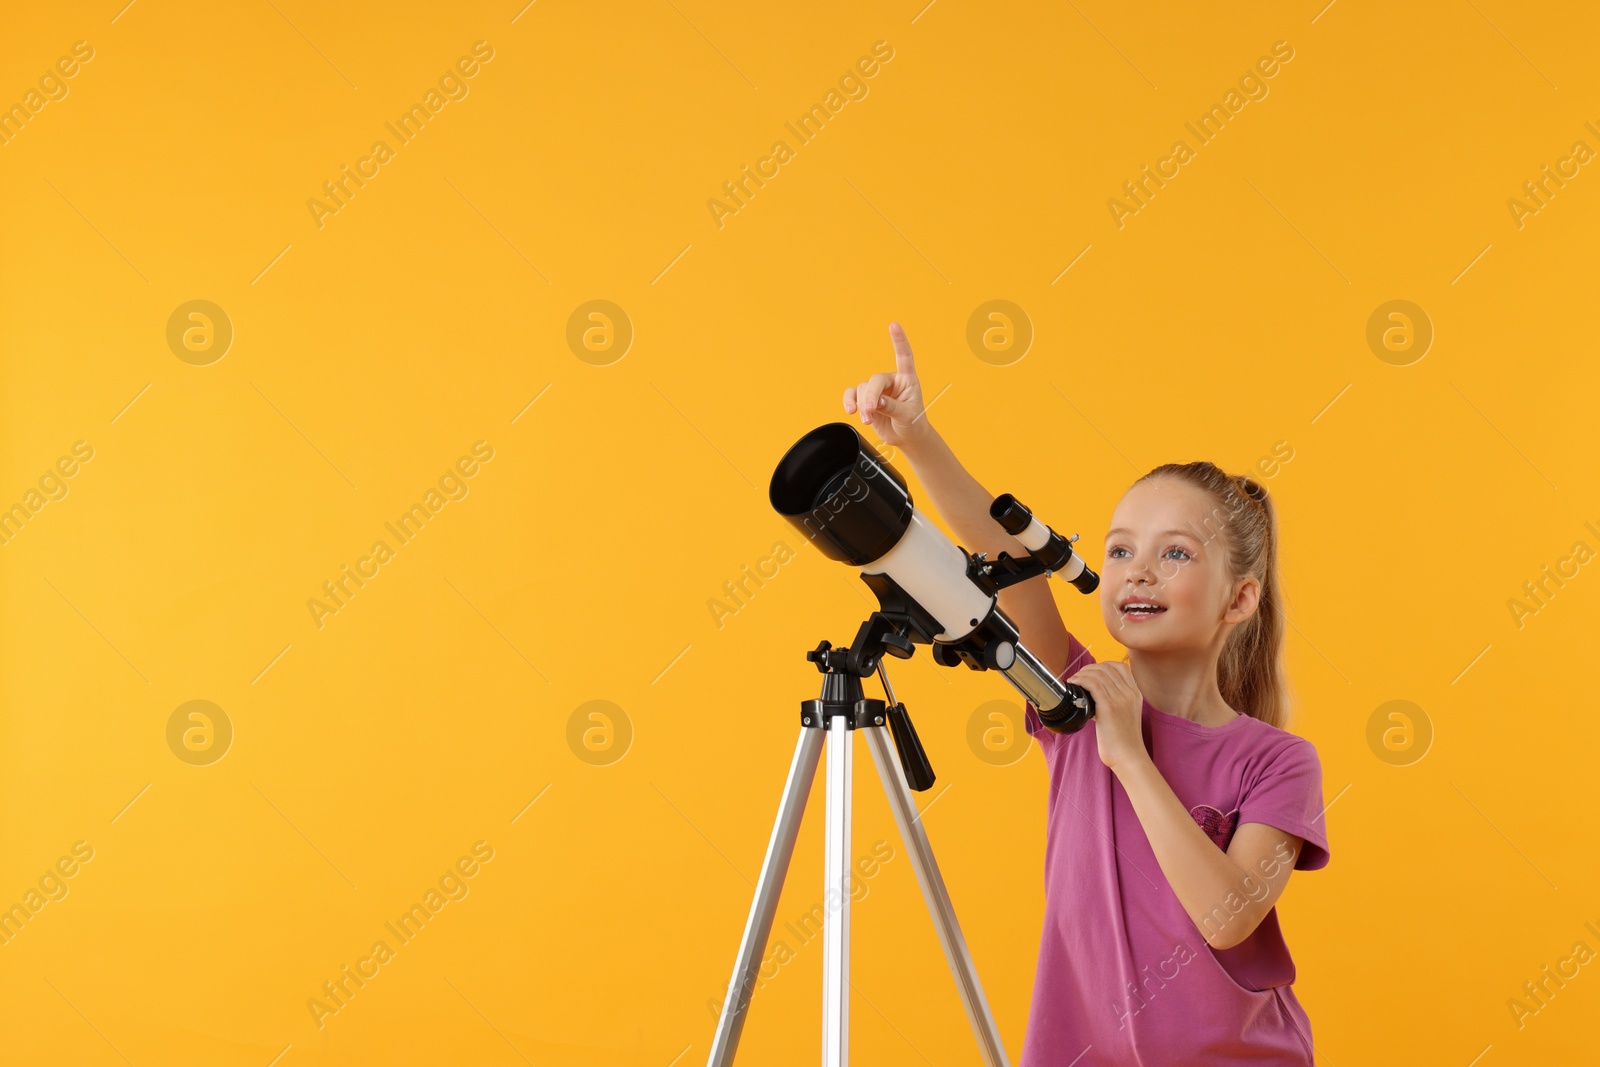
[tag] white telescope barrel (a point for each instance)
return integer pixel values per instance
(933, 569)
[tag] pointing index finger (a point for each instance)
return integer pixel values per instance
(903, 360)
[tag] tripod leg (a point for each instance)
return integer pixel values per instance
(747, 966)
(937, 898)
(836, 917)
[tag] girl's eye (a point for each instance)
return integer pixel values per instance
(1113, 553)
(1180, 551)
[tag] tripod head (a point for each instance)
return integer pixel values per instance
(842, 670)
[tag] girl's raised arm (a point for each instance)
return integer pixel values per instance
(892, 404)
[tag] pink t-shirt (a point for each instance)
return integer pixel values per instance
(1124, 975)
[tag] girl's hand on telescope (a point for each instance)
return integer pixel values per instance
(1118, 711)
(892, 403)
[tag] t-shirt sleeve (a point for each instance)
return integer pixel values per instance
(1077, 657)
(1288, 796)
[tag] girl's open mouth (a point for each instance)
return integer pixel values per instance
(1138, 609)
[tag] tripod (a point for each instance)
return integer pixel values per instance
(835, 716)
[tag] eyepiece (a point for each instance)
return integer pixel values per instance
(1012, 515)
(1087, 581)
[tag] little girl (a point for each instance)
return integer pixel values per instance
(1177, 814)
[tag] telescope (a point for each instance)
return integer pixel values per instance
(848, 500)
(852, 504)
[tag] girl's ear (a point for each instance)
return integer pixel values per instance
(1246, 595)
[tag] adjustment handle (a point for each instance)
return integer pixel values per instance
(913, 758)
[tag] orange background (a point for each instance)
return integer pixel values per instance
(435, 709)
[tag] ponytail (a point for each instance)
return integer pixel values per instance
(1250, 672)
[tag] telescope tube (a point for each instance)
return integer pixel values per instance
(851, 503)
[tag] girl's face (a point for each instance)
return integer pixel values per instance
(1165, 584)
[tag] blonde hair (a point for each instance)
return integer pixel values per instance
(1250, 672)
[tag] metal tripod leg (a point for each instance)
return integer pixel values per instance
(747, 966)
(836, 899)
(938, 899)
